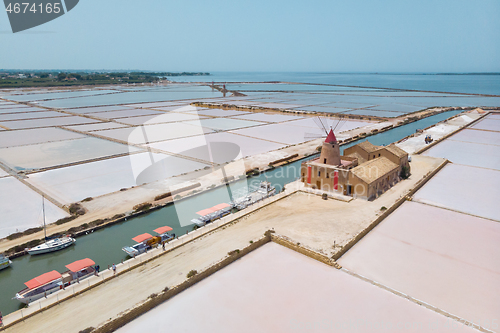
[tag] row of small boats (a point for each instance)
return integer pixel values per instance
(53, 281)
(145, 242)
(265, 190)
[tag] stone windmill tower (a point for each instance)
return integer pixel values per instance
(330, 150)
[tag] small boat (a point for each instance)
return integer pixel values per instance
(4, 262)
(78, 271)
(264, 190)
(50, 245)
(40, 286)
(147, 241)
(211, 214)
(53, 281)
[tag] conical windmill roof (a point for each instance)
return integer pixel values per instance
(331, 137)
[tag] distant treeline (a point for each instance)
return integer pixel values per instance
(16, 79)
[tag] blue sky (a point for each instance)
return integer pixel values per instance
(271, 35)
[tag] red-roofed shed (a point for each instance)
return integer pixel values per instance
(43, 279)
(80, 264)
(142, 238)
(162, 230)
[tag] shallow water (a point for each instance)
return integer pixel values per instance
(474, 84)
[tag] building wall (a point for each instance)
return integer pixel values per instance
(401, 161)
(322, 176)
(356, 149)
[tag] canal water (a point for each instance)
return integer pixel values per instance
(104, 246)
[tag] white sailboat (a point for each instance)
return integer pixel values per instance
(50, 245)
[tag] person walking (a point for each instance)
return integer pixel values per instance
(114, 269)
(163, 245)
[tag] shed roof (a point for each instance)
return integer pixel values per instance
(213, 209)
(43, 279)
(374, 169)
(80, 264)
(142, 238)
(162, 230)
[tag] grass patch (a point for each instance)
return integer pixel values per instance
(163, 196)
(76, 209)
(21, 247)
(191, 273)
(24, 233)
(66, 219)
(142, 207)
(87, 330)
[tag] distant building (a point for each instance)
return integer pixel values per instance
(364, 171)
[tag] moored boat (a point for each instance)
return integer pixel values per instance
(4, 262)
(50, 245)
(40, 286)
(53, 281)
(78, 271)
(265, 190)
(147, 241)
(211, 214)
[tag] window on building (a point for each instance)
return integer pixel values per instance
(378, 155)
(373, 156)
(327, 175)
(319, 173)
(324, 162)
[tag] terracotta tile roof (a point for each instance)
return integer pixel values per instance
(359, 157)
(396, 150)
(368, 146)
(374, 169)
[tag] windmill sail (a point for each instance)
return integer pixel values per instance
(324, 125)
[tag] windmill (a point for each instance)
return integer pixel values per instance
(325, 126)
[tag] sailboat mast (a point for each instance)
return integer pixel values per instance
(43, 209)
